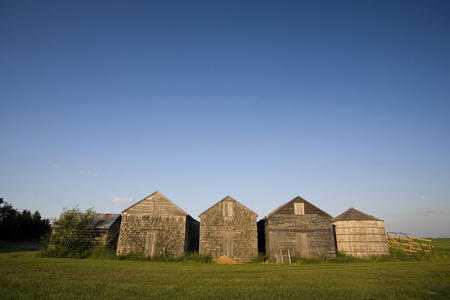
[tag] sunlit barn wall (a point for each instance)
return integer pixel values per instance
(359, 234)
(156, 225)
(229, 228)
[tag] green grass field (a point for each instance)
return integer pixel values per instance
(23, 275)
(441, 244)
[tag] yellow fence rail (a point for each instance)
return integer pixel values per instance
(409, 244)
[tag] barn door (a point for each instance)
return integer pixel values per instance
(150, 244)
(228, 245)
(302, 244)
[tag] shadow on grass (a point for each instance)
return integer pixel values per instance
(20, 247)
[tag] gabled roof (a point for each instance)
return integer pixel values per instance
(298, 198)
(105, 220)
(354, 215)
(228, 198)
(156, 194)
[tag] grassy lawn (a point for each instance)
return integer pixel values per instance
(441, 244)
(25, 276)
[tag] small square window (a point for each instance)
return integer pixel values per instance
(299, 208)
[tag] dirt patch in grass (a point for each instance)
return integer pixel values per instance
(225, 260)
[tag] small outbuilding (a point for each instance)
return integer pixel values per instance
(359, 234)
(297, 228)
(229, 228)
(106, 228)
(156, 225)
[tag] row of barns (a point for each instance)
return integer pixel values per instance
(156, 225)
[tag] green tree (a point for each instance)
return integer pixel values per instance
(25, 230)
(40, 226)
(72, 233)
(21, 226)
(8, 225)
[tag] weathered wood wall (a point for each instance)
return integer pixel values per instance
(229, 228)
(156, 225)
(304, 230)
(361, 238)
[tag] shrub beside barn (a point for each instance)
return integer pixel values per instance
(229, 228)
(298, 228)
(156, 225)
(105, 229)
(359, 234)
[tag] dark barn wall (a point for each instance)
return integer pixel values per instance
(261, 237)
(229, 228)
(192, 234)
(307, 233)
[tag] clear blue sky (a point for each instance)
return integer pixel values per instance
(344, 103)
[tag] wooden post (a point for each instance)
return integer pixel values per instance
(409, 245)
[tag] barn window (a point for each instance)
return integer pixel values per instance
(299, 208)
(227, 209)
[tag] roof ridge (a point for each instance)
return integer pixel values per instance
(228, 196)
(289, 202)
(151, 195)
(353, 214)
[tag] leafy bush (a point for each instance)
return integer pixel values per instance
(72, 234)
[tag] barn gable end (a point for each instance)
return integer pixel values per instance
(229, 228)
(156, 225)
(300, 227)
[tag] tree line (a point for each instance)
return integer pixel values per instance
(21, 226)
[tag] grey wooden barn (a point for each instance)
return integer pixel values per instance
(297, 228)
(229, 228)
(359, 234)
(156, 225)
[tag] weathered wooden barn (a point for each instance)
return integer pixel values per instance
(156, 225)
(297, 228)
(359, 234)
(229, 228)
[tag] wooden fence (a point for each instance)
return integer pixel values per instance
(409, 244)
